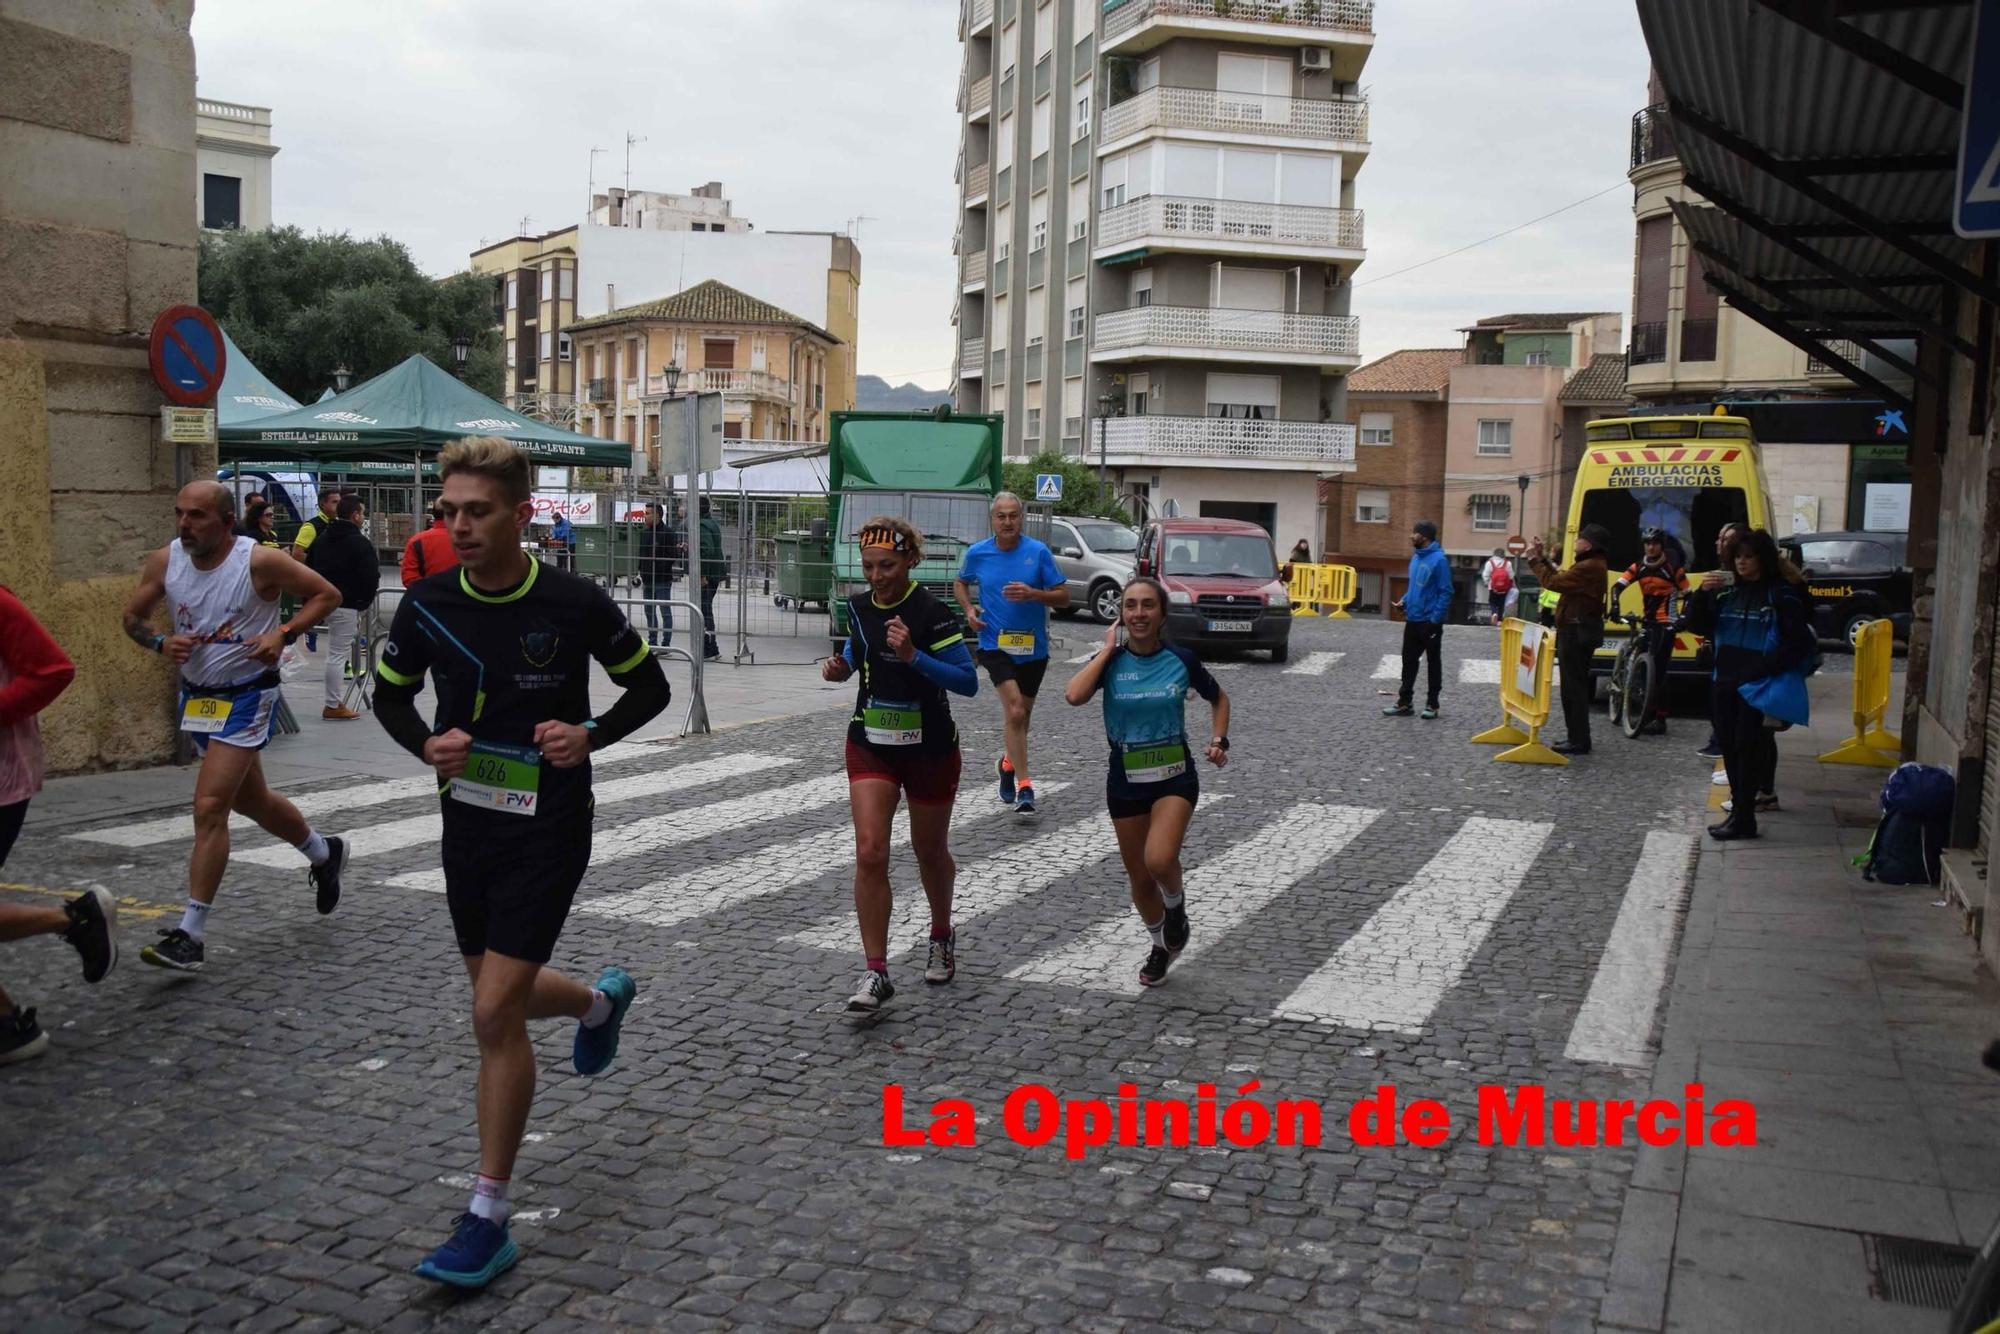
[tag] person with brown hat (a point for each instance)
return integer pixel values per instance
(1579, 625)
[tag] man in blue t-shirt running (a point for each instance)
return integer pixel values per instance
(1018, 582)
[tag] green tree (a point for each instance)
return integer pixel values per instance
(1081, 493)
(301, 305)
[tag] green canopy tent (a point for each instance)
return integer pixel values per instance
(247, 394)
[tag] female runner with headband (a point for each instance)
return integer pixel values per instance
(908, 650)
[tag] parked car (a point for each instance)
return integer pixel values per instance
(1854, 578)
(1221, 577)
(1095, 556)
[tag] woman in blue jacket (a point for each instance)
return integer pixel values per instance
(1760, 627)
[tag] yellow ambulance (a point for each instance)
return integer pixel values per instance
(1689, 475)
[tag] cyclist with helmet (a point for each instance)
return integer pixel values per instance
(1660, 575)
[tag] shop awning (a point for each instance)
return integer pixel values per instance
(1822, 138)
(409, 409)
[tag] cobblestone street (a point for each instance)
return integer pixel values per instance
(278, 1140)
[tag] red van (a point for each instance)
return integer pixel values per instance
(1221, 577)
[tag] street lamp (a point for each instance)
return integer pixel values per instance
(672, 374)
(342, 377)
(1521, 519)
(461, 346)
(1104, 406)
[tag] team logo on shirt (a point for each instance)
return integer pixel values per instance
(539, 644)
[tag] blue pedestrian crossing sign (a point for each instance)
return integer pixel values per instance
(1976, 204)
(1048, 486)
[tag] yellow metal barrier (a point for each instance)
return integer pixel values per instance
(1872, 743)
(1340, 591)
(1303, 589)
(1527, 661)
(1316, 586)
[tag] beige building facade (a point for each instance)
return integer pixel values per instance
(97, 147)
(535, 304)
(233, 152)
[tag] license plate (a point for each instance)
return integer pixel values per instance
(1229, 627)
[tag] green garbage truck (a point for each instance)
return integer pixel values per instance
(938, 470)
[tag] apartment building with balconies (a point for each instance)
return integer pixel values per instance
(534, 306)
(1159, 237)
(1399, 409)
(1693, 346)
(770, 366)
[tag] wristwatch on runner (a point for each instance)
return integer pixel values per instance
(291, 635)
(1221, 743)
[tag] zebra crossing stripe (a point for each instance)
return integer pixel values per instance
(1082, 657)
(1393, 971)
(312, 804)
(984, 888)
(1224, 891)
(1479, 672)
(655, 832)
(1617, 1015)
(393, 835)
(707, 889)
(1389, 669)
(1314, 664)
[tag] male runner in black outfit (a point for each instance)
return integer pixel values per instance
(508, 641)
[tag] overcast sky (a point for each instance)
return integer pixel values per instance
(444, 122)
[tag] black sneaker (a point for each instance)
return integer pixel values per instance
(942, 965)
(1176, 931)
(1711, 751)
(1154, 970)
(326, 876)
(21, 1038)
(92, 917)
(874, 992)
(175, 949)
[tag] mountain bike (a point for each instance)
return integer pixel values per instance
(1633, 693)
(1978, 1309)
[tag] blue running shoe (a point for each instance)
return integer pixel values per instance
(478, 1252)
(1006, 781)
(596, 1046)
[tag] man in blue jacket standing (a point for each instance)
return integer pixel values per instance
(1425, 603)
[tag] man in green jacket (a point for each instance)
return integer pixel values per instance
(714, 568)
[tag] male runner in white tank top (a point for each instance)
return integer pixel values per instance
(222, 594)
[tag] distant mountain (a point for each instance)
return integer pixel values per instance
(872, 393)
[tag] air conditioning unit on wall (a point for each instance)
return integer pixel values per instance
(1316, 59)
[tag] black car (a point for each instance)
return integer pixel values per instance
(1854, 578)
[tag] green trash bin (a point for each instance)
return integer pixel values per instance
(805, 570)
(607, 551)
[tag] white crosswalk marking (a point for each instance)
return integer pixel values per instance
(1389, 669)
(655, 832)
(1082, 657)
(393, 835)
(1399, 965)
(1479, 672)
(1314, 664)
(707, 889)
(983, 888)
(1617, 1016)
(1224, 891)
(313, 804)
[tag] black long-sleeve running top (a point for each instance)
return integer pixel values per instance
(506, 662)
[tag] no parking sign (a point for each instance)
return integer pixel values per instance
(186, 355)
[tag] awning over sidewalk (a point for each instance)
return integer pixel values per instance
(1823, 137)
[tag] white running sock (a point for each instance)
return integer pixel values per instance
(1158, 931)
(194, 919)
(1171, 901)
(314, 847)
(489, 1199)
(599, 1011)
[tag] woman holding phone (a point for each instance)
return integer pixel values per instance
(1153, 785)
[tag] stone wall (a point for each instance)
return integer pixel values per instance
(96, 236)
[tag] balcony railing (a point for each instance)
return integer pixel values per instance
(980, 100)
(1230, 438)
(597, 391)
(738, 384)
(1649, 342)
(1229, 220)
(976, 180)
(1652, 136)
(1697, 340)
(975, 268)
(1164, 108)
(972, 357)
(1309, 16)
(1206, 329)
(978, 15)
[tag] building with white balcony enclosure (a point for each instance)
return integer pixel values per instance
(233, 152)
(1158, 241)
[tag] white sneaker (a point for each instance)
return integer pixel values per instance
(873, 993)
(943, 962)
(1721, 778)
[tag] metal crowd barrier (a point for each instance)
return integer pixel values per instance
(1872, 744)
(1315, 586)
(1525, 647)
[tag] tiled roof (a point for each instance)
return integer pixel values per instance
(1602, 381)
(1534, 321)
(707, 302)
(1416, 370)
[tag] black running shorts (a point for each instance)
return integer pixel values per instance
(1129, 799)
(510, 891)
(1026, 673)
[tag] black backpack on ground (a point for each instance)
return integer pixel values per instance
(1910, 839)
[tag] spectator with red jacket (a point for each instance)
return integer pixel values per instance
(33, 671)
(429, 551)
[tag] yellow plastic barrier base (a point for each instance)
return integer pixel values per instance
(1506, 734)
(1304, 611)
(1534, 752)
(1858, 751)
(1340, 615)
